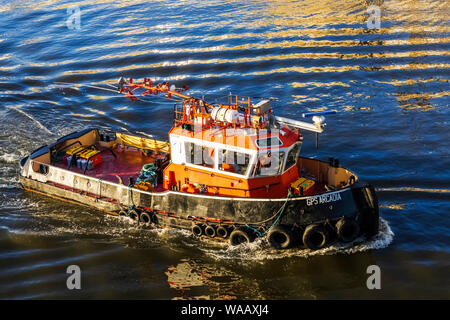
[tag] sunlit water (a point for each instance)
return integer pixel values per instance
(389, 86)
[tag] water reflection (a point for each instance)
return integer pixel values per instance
(197, 280)
(315, 278)
(308, 55)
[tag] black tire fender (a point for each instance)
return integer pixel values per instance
(316, 236)
(347, 229)
(210, 231)
(280, 237)
(198, 230)
(222, 232)
(133, 214)
(145, 218)
(241, 235)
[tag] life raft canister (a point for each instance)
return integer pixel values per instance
(347, 229)
(241, 235)
(316, 236)
(280, 237)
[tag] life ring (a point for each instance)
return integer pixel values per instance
(134, 215)
(197, 230)
(145, 218)
(222, 232)
(316, 236)
(280, 237)
(184, 187)
(347, 229)
(210, 231)
(240, 235)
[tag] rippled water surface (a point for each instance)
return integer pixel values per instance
(389, 85)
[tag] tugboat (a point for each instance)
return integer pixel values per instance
(229, 171)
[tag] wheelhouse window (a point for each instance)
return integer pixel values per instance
(269, 163)
(269, 142)
(199, 155)
(234, 162)
(292, 156)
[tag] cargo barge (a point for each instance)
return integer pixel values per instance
(230, 171)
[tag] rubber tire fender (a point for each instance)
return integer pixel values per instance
(134, 215)
(145, 218)
(198, 230)
(210, 231)
(241, 235)
(222, 232)
(347, 229)
(280, 237)
(316, 236)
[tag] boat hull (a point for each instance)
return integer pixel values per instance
(182, 210)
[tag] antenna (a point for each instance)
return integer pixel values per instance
(319, 121)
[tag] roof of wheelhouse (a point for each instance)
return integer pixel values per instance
(247, 138)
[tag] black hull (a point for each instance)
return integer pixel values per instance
(253, 216)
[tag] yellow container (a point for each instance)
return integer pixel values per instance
(302, 183)
(88, 154)
(74, 150)
(145, 186)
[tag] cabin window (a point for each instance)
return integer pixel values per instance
(269, 142)
(234, 162)
(269, 163)
(292, 156)
(199, 155)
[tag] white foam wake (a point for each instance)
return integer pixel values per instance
(259, 250)
(10, 157)
(40, 125)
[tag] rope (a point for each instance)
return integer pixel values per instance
(279, 213)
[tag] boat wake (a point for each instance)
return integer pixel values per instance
(260, 250)
(39, 124)
(129, 233)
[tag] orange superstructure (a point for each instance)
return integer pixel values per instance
(235, 149)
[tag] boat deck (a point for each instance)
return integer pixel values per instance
(126, 164)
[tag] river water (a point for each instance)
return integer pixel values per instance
(389, 86)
